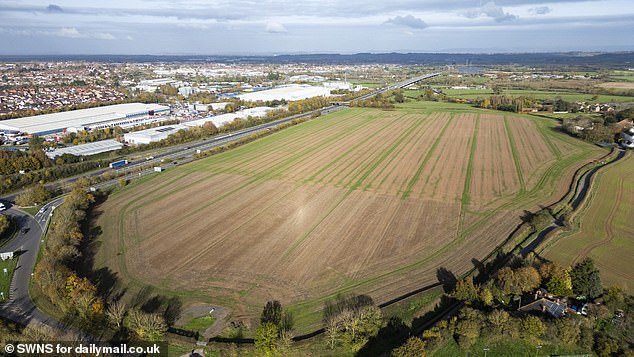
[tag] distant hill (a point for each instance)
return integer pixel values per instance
(612, 59)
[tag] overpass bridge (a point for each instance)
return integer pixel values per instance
(403, 84)
(410, 81)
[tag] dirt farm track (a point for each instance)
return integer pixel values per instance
(363, 201)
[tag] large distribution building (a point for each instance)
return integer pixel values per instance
(156, 134)
(123, 115)
(86, 149)
(151, 135)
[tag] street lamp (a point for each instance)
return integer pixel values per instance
(486, 349)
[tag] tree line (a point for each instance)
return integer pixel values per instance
(76, 296)
(491, 312)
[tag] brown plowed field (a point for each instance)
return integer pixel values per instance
(534, 154)
(494, 172)
(443, 176)
(361, 201)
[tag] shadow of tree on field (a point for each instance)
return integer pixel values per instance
(447, 279)
(392, 335)
(173, 310)
(141, 297)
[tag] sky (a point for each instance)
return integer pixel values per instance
(267, 27)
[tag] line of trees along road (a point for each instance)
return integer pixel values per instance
(73, 294)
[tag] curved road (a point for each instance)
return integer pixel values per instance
(26, 244)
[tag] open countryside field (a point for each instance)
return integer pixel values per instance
(362, 200)
(606, 233)
(538, 94)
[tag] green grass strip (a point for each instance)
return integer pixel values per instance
(466, 197)
(516, 155)
(546, 133)
(412, 182)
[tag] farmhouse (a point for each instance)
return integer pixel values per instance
(544, 305)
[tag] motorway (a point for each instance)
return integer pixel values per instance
(177, 154)
(182, 153)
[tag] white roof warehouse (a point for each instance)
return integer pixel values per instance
(86, 149)
(128, 114)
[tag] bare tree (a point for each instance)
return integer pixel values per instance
(115, 313)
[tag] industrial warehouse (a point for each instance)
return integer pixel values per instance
(156, 134)
(122, 115)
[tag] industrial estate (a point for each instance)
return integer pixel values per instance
(375, 208)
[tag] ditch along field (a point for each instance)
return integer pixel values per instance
(362, 200)
(605, 231)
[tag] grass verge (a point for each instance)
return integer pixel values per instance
(5, 278)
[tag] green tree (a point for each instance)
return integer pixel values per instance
(615, 298)
(468, 326)
(36, 143)
(606, 346)
(527, 278)
(4, 223)
(532, 327)
(560, 285)
(568, 330)
(272, 312)
(467, 332)
(398, 96)
(413, 347)
(507, 282)
(266, 336)
(541, 220)
(557, 279)
(466, 290)
(486, 296)
(498, 320)
(586, 280)
(35, 195)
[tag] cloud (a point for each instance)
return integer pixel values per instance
(275, 27)
(103, 36)
(490, 9)
(407, 21)
(541, 10)
(69, 32)
(129, 38)
(193, 25)
(72, 32)
(52, 8)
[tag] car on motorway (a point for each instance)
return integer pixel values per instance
(25, 230)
